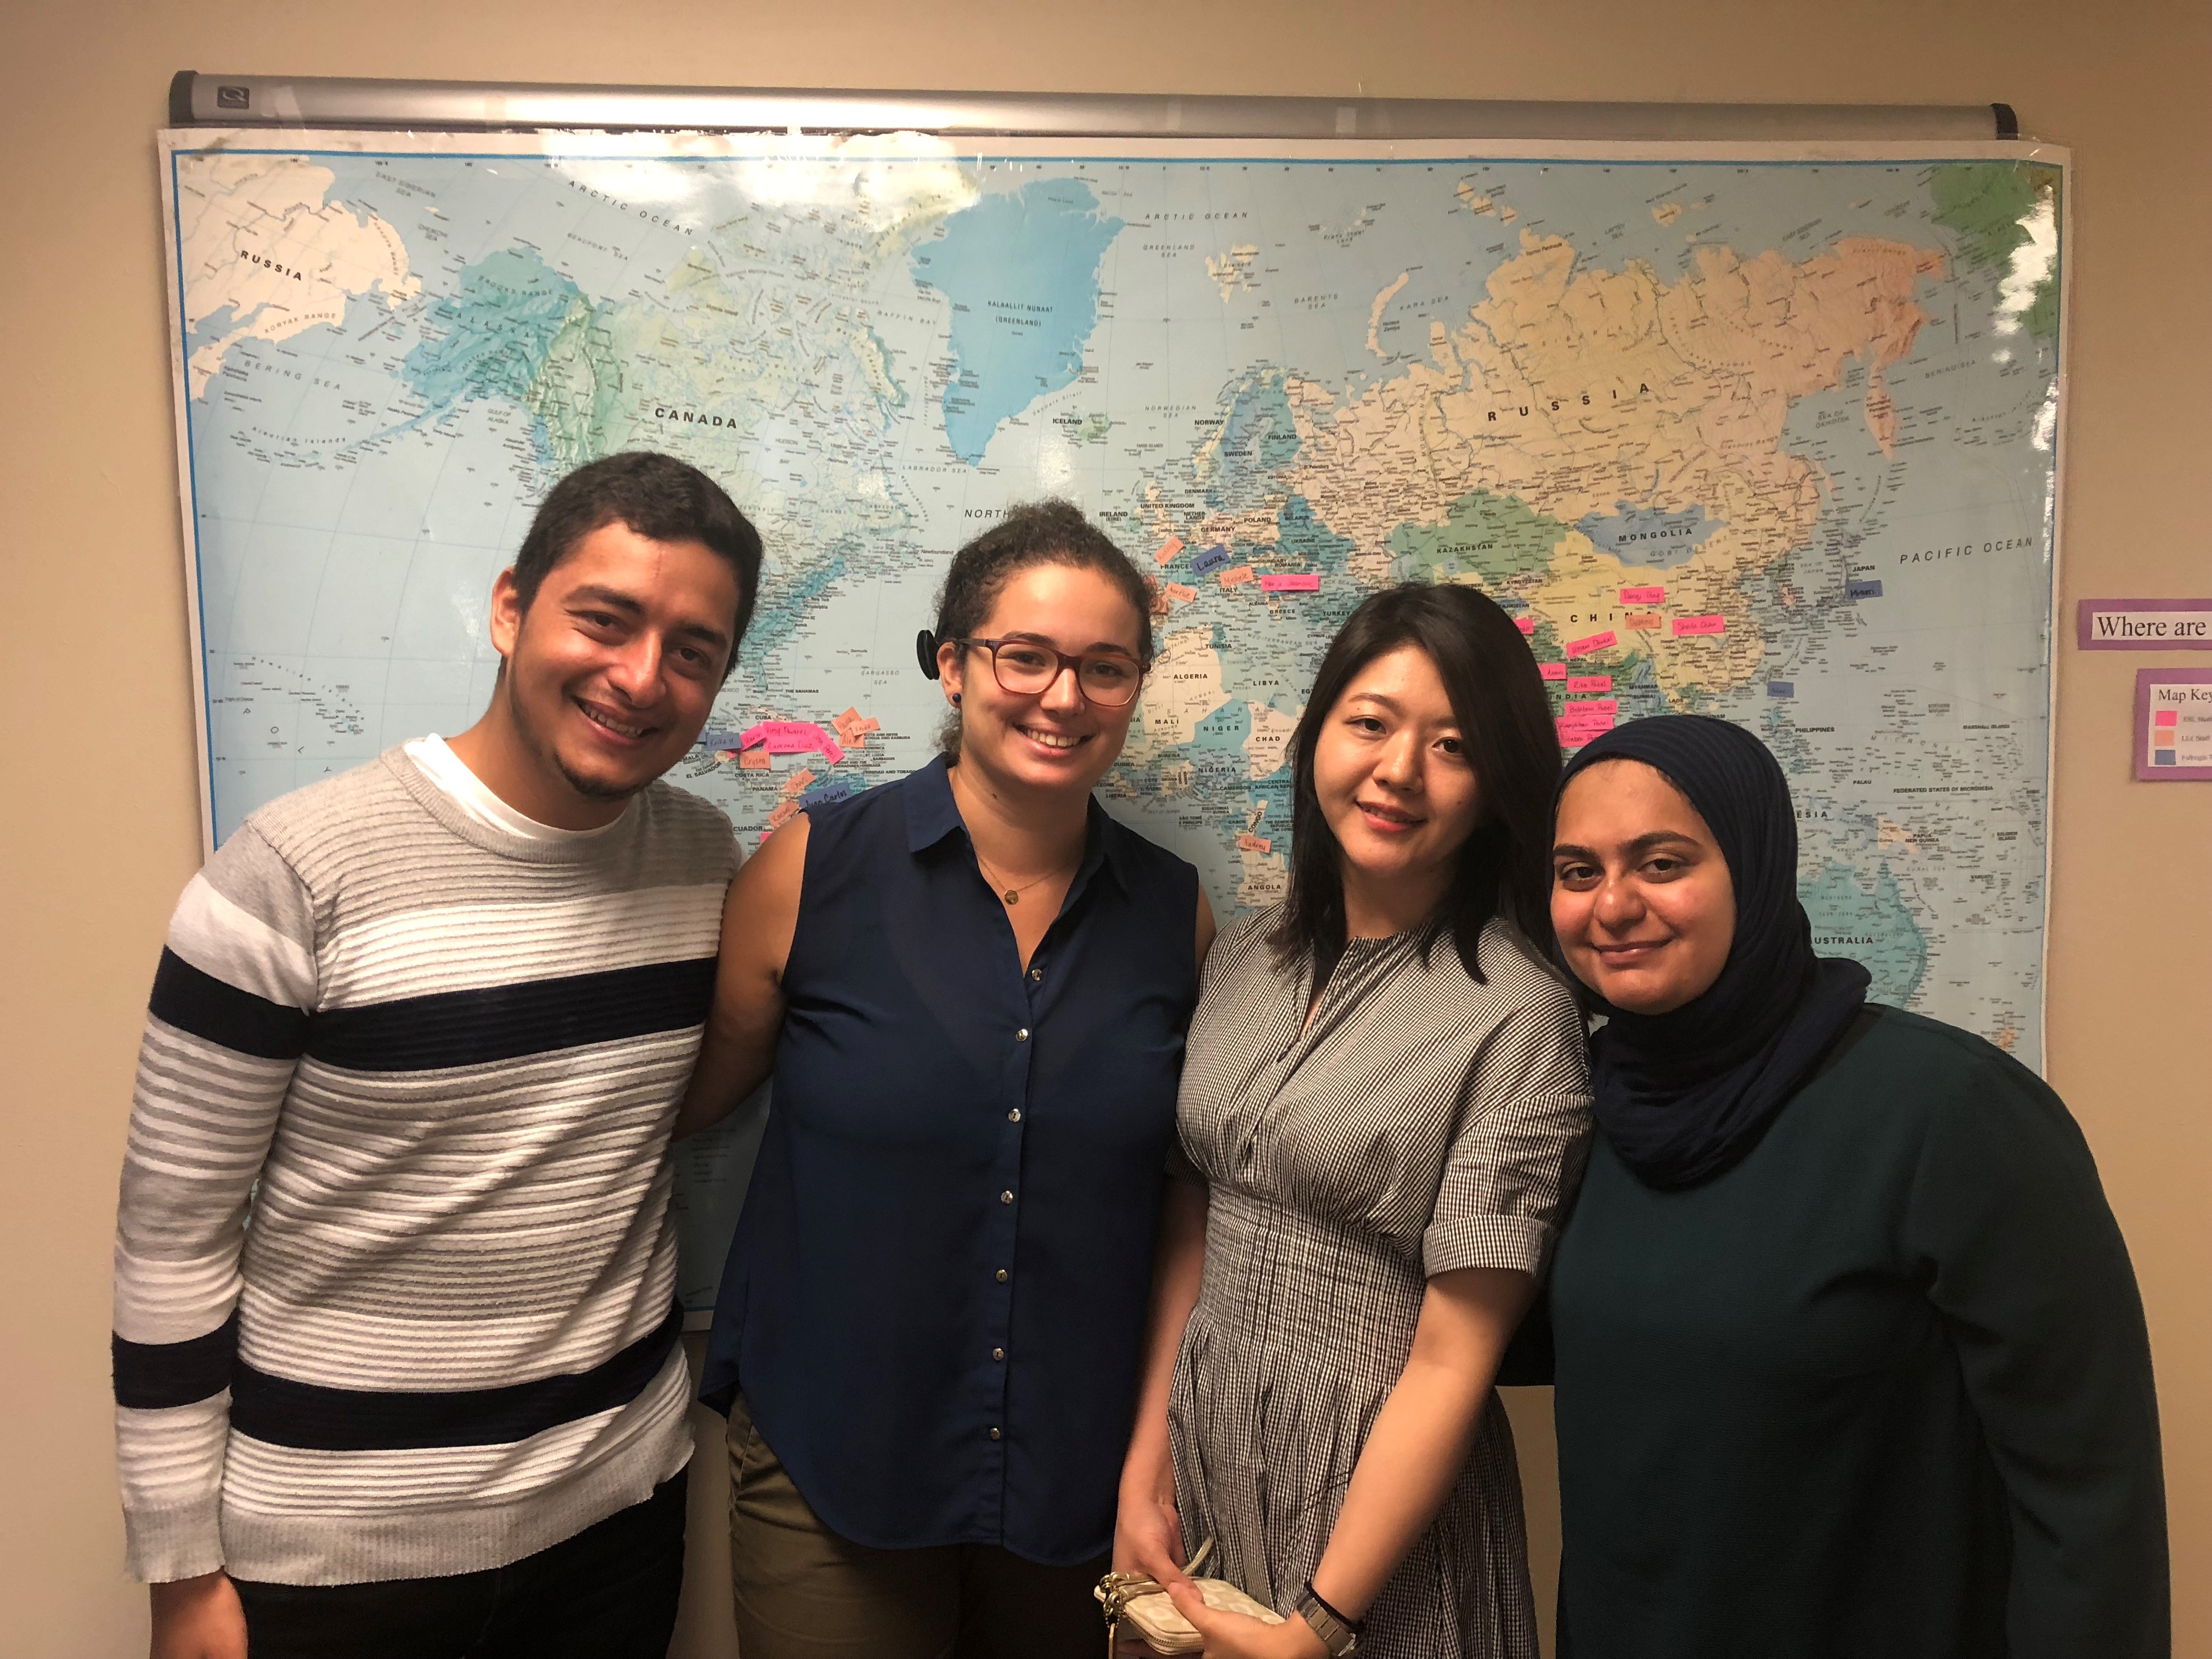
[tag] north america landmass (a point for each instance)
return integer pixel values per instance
(1676, 480)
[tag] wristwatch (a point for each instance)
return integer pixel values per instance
(1338, 1634)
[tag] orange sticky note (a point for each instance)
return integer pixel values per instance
(754, 759)
(1251, 843)
(1180, 594)
(1643, 624)
(1169, 548)
(1238, 577)
(852, 727)
(798, 781)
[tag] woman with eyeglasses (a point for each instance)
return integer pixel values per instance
(973, 986)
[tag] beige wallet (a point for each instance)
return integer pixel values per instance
(1155, 1618)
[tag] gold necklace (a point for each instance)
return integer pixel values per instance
(1011, 894)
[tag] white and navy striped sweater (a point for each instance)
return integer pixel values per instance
(394, 1270)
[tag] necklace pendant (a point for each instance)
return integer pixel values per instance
(1012, 898)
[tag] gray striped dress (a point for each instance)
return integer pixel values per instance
(1421, 1124)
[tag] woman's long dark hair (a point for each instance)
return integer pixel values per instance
(1505, 728)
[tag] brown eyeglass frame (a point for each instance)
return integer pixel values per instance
(1062, 662)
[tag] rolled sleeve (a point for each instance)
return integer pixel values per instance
(1523, 1138)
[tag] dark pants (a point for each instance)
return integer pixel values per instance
(803, 1592)
(608, 1593)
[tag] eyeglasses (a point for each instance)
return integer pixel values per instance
(1026, 667)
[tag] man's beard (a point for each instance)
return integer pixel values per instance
(592, 788)
(589, 788)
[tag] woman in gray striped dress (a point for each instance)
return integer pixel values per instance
(1386, 1098)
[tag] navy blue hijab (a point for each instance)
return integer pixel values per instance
(1684, 1097)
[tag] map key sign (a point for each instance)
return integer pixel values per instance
(1705, 420)
(2173, 725)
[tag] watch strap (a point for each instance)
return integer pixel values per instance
(1338, 1634)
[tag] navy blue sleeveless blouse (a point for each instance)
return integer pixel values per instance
(935, 1300)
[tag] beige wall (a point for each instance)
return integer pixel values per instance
(96, 677)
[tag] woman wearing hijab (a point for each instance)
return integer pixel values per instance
(1851, 1360)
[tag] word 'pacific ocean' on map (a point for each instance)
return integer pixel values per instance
(1021, 272)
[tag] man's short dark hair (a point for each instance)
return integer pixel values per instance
(659, 498)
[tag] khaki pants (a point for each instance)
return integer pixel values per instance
(802, 1592)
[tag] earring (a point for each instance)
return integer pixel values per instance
(956, 700)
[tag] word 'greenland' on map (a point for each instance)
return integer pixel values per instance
(1762, 435)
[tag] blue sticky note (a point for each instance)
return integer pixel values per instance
(1867, 590)
(1212, 559)
(1781, 688)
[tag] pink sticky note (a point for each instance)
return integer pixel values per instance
(1169, 548)
(1552, 670)
(1597, 642)
(793, 738)
(1309, 583)
(1590, 706)
(1574, 734)
(1643, 596)
(1700, 625)
(1580, 683)
(1526, 625)
(1251, 843)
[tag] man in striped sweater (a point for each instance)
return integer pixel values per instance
(396, 1358)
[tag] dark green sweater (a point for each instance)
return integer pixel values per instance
(1882, 1390)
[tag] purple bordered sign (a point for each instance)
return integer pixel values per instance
(2173, 725)
(2144, 625)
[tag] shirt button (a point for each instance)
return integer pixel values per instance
(1035, 974)
(995, 1434)
(1002, 1275)
(1005, 1198)
(999, 1354)
(1014, 1116)
(1022, 1035)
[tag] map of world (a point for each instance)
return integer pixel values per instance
(1765, 435)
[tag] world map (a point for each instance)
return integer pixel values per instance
(1766, 434)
